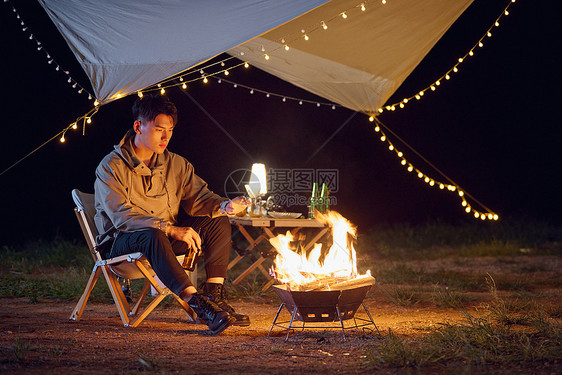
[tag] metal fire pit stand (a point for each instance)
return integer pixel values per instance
(322, 306)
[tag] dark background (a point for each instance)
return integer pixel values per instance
(494, 128)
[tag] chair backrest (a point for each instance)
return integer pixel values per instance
(85, 212)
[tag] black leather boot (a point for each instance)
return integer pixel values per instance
(209, 313)
(215, 293)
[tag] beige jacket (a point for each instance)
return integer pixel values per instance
(130, 196)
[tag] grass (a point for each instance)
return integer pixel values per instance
(472, 239)
(507, 335)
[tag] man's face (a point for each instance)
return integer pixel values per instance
(154, 135)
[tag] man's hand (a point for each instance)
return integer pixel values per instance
(185, 234)
(236, 205)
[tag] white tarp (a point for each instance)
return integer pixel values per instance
(125, 46)
(359, 61)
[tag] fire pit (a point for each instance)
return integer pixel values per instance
(322, 306)
(321, 285)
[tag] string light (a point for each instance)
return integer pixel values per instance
(452, 187)
(50, 60)
(284, 98)
(455, 68)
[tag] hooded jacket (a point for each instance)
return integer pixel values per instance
(130, 196)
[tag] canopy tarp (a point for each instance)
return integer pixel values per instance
(357, 62)
(125, 46)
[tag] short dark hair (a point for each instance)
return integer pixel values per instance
(150, 106)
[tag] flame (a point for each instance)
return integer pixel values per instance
(297, 268)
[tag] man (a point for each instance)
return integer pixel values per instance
(139, 189)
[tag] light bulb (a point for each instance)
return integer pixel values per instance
(62, 140)
(418, 97)
(476, 214)
(286, 47)
(344, 15)
(506, 13)
(377, 129)
(400, 154)
(181, 79)
(88, 120)
(471, 53)
(162, 91)
(383, 138)
(74, 126)
(441, 186)
(490, 216)
(139, 94)
(205, 80)
(421, 93)
(432, 88)
(306, 37)
(184, 86)
(246, 65)
(372, 118)
(266, 56)
(226, 72)
(447, 77)
(403, 162)
(461, 193)
(324, 26)
(496, 217)
(455, 69)
(467, 209)
(420, 175)
(496, 24)
(410, 168)
(251, 91)
(480, 44)
(96, 103)
(460, 59)
(426, 179)
(391, 147)
(464, 203)
(401, 105)
(489, 34)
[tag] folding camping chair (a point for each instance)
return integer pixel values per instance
(130, 266)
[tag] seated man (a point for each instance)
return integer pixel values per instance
(139, 189)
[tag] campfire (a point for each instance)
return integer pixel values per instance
(323, 284)
(331, 265)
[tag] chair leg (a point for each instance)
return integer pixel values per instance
(147, 311)
(144, 292)
(120, 302)
(188, 310)
(79, 309)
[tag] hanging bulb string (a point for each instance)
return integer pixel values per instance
(197, 69)
(452, 186)
(305, 33)
(86, 118)
(447, 76)
(50, 60)
(268, 94)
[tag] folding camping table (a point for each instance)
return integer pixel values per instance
(267, 226)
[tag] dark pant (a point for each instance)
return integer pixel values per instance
(161, 251)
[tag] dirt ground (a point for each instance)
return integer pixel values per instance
(39, 338)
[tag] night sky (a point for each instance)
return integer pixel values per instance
(494, 128)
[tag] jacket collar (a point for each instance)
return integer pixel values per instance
(126, 150)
